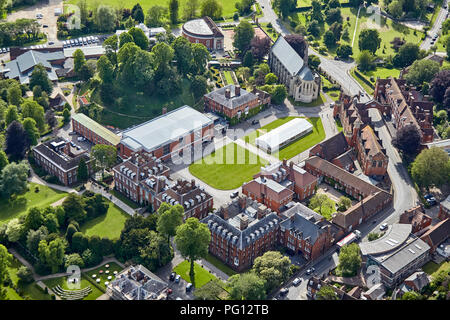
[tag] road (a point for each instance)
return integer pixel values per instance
(436, 28)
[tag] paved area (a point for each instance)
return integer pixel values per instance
(113, 199)
(436, 28)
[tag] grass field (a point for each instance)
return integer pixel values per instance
(103, 276)
(228, 7)
(14, 208)
(296, 147)
(320, 100)
(202, 276)
(220, 265)
(62, 282)
(228, 77)
(228, 167)
(431, 268)
(124, 199)
(31, 291)
(109, 225)
(366, 87)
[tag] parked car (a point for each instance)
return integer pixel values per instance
(309, 271)
(169, 291)
(188, 287)
(72, 144)
(297, 281)
(51, 43)
(44, 26)
(430, 199)
(383, 226)
(80, 138)
(172, 276)
(234, 194)
(177, 278)
(284, 291)
(255, 122)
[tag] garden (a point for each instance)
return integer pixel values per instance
(228, 167)
(108, 225)
(202, 276)
(103, 274)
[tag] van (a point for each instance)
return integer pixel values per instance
(188, 287)
(80, 139)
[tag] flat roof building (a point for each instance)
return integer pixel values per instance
(167, 134)
(283, 135)
(204, 31)
(93, 131)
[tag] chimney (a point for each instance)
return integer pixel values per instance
(193, 183)
(164, 110)
(242, 202)
(225, 212)
(227, 93)
(243, 221)
(284, 162)
(291, 165)
(261, 211)
(237, 90)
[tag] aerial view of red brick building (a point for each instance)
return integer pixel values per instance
(204, 31)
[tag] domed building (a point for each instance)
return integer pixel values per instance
(205, 31)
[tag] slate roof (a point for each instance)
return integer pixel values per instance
(420, 279)
(334, 146)
(438, 233)
(234, 101)
(97, 128)
(288, 57)
(371, 143)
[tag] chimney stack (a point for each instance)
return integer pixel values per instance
(227, 93)
(193, 183)
(243, 221)
(237, 90)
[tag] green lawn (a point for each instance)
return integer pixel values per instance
(202, 276)
(31, 291)
(62, 282)
(104, 277)
(220, 265)
(14, 208)
(228, 167)
(366, 87)
(124, 199)
(109, 225)
(228, 7)
(319, 101)
(431, 268)
(228, 77)
(379, 72)
(270, 31)
(296, 147)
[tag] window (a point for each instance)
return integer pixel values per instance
(166, 149)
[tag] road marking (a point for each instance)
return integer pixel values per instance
(356, 26)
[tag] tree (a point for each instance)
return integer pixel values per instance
(407, 139)
(137, 13)
(329, 39)
(199, 86)
(431, 168)
(200, 57)
(173, 11)
(155, 252)
(192, 240)
(50, 119)
(13, 179)
(105, 18)
(271, 78)
(210, 291)
(243, 35)
(446, 101)
(412, 295)
(169, 218)
(163, 55)
(260, 47)
(52, 254)
(39, 77)
(66, 115)
(422, 71)
(79, 243)
(124, 38)
(333, 15)
(272, 267)
(247, 286)
(314, 28)
(34, 219)
(344, 51)
(16, 141)
(373, 236)
(73, 259)
(11, 115)
(82, 171)
(14, 95)
(33, 110)
(326, 293)
(284, 7)
(139, 38)
(14, 230)
(322, 204)
(447, 46)
(244, 6)
(279, 93)
(111, 44)
(156, 16)
(183, 54)
(104, 155)
(190, 9)
(29, 125)
(314, 62)
(349, 260)
(316, 14)
(78, 61)
(24, 274)
(74, 208)
(3, 160)
(34, 237)
(365, 60)
(298, 43)
(248, 59)
(211, 8)
(5, 261)
(407, 54)
(344, 203)
(369, 39)
(439, 85)
(336, 28)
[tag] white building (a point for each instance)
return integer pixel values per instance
(293, 71)
(283, 135)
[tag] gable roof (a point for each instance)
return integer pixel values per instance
(288, 57)
(96, 127)
(334, 146)
(438, 233)
(234, 101)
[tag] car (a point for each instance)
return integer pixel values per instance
(7, 49)
(169, 291)
(177, 278)
(172, 276)
(255, 122)
(309, 271)
(234, 194)
(72, 144)
(80, 139)
(284, 291)
(178, 298)
(332, 105)
(3, 50)
(51, 43)
(44, 26)
(297, 281)
(432, 201)
(78, 147)
(188, 287)
(383, 226)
